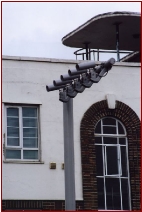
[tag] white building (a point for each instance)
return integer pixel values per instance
(32, 125)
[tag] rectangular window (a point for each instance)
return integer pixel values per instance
(101, 199)
(22, 133)
(113, 199)
(113, 166)
(99, 160)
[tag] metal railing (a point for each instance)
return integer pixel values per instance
(94, 54)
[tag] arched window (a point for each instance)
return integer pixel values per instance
(111, 157)
(112, 166)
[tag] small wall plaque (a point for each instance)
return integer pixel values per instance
(62, 165)
(52, 165)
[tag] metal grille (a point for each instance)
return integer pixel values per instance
(24, 204)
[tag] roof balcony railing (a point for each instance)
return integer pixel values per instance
(93, 54)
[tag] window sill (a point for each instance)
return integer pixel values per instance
(23, 162)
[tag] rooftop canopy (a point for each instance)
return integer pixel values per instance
(100, 32)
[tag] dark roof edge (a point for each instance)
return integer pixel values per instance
(99, 16)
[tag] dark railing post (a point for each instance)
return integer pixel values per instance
(87, 53)
(117, 41)
(97, 54)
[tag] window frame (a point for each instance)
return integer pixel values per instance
(104, 159)
(119, 160)
(20, 147)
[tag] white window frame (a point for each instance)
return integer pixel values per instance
(118, 159)
(20, 147)
(119, 175)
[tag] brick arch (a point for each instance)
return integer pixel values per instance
(131, 122)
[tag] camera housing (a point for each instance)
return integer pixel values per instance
(53, 87)
(85, 65)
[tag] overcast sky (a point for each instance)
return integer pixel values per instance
(35, 29)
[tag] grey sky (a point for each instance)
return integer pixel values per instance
(36, 28)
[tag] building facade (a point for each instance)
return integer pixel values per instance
(106, 137)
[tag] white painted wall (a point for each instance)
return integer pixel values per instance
(24, 81)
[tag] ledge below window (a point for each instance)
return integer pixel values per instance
(23, 162)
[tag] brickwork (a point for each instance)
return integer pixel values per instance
(132, 124)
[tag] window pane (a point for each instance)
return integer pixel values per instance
(112, 160)
(12, 122)
(109, 130)
(122, 141)
(113, 200)
(120, 129)
(125, 192)
(100, 188)
(12, 112)
(13, 141)
(98, 128)
(12, 132)
(29, 132)
(98, 140)
(30, 154)
(109, 121)
(29, 112)
(30, 142)
(110, 140)
(99, 160)
(13, 154)
(124, 161)
(29, 122)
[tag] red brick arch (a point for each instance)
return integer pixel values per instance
(131, 122)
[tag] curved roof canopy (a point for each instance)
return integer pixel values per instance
(100, 32)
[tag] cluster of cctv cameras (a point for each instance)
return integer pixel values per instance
(78, 79)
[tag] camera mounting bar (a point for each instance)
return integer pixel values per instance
(83, 76)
